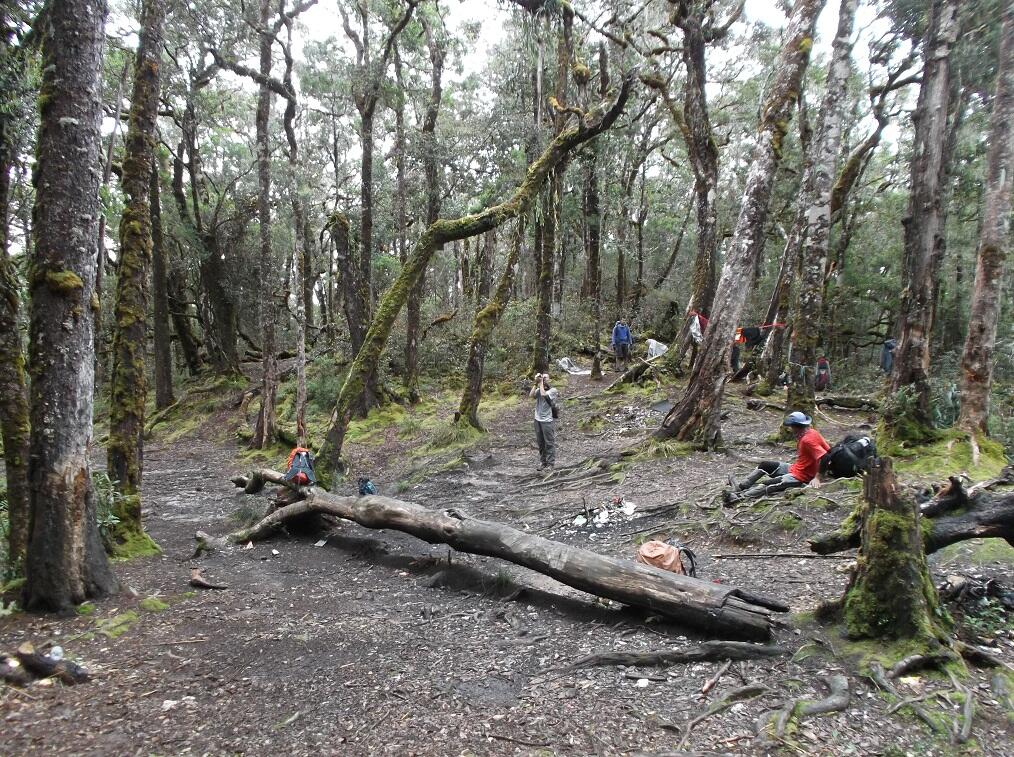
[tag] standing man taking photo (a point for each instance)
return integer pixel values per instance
(621, 343)
(546, 411)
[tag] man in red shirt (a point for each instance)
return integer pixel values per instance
(781, 476)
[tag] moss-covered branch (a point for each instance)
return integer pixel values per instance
(440, 233)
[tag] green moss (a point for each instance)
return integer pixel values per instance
(948, 454)
(979, 552)
(788, 522)
(117, 625)
(153, 604)
(85, 608)
(63, 282)
(806, 45)
(130, 544)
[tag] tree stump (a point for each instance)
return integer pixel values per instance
(891, 595)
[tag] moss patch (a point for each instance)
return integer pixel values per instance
(951, 453)
(152, 604)
(131, 544)
(85, 608)
(117, 625)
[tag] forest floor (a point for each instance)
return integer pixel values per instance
(372, 642)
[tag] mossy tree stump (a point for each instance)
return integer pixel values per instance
(891, 595)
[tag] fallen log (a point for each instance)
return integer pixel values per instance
(953, 514)
(848, 403)
(714, 608)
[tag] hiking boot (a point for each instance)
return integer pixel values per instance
(733, 483)
(730, 498)
(750, 480)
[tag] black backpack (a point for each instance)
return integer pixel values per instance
(849, 457)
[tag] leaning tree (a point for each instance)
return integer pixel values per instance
(697, 414)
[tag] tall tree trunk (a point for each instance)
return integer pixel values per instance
(14, 423)
(129, 384)
(15, 429)
(66, 563)
(923, 221)
(486, 319)
(697, 415)
(824, 147)
(695, 124)
(544, 303)
(440, 233)
(977, 357)
(431, 169)
(102, 257)
(162, 342)
(264, 435)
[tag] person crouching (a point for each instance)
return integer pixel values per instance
(811, 446)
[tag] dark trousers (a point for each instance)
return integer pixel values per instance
(545, 435)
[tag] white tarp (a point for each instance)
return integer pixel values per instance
(566, 364)
(656, 348)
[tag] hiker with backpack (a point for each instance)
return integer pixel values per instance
(546, 412)
(811, 447)
(621, 341)
(299, 468)
(822, 382)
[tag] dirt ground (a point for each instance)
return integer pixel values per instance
(371, 642)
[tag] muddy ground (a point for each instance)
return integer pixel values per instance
(373, 642)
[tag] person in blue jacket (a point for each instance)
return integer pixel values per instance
(621, 343)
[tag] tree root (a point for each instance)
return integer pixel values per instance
(736, 695)
(879, 677)
(798, 709)
(919, 662)
(707, 651)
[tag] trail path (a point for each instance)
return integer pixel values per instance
(377, 643)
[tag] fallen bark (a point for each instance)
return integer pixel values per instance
(714, 608)
(954, 516)
(35, 665)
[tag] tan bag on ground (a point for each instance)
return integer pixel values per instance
(661, 555)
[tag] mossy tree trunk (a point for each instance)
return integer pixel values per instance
(823, 155)
(699, 29)
(264, 434)
(161, 341)
(436, 44)
(66, 563)
(486, 319)
(15, 429)
(891, 595)
(441, 232)
(370, 76)
(222, 325)
(697, 415)
(924, 220)
(14, 419)
(977, 358)
(129, 384)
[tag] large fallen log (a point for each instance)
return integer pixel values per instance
(954, 516)
(716, 609)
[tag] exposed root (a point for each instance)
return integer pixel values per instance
(706, 651)
(736, 695)
(919, 662)
(879, 677)
(798, 709)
